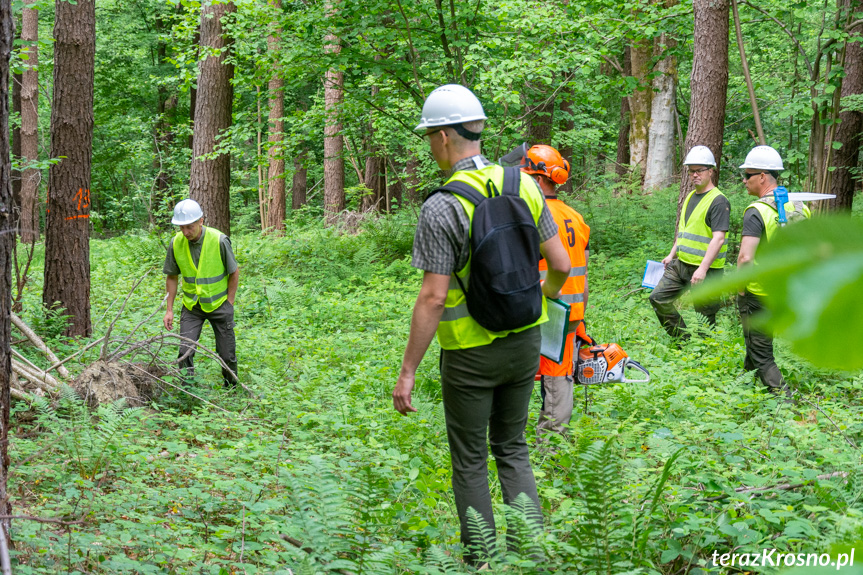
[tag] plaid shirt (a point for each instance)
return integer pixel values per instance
(442, 238)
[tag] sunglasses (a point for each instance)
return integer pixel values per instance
(430, 134)
(701, 171)
(747, 175)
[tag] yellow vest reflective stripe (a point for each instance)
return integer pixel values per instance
(206, 283)
(457, 329)
(694, 235)
(771, 225)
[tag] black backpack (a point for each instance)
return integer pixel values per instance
(504, 290)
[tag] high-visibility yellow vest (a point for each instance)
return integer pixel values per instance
(457, 329)
(694, 235)
(206, 283)
(770, 216)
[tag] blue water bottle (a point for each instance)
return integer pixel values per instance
(780, 194)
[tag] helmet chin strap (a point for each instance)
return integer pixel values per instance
(465, 133)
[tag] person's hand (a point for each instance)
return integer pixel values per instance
(698, 276)
(667, 260)
(549, 295)
(402, 394)
(168, 320)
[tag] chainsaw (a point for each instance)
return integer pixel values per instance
(606, 363)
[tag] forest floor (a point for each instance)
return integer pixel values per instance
(317, 473)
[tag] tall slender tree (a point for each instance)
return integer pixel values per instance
(334, 164)
(30, 178)
(847, 158)
(709, 83)
(210, 177)
(641, 52)
(7, 244)
(659, 167)
(622, 164)
(299, 183)
(67, 239)
(276, 153)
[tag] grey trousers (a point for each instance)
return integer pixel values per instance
(486, 393)
(676, 279)
(556, 409)
(759, 345)
(222, 320)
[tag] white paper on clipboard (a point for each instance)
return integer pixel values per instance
(652, 274)
(555, 330)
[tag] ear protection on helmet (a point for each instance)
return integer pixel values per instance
(559, 175)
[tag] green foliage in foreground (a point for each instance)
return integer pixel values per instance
(318, 474)
(814, 274)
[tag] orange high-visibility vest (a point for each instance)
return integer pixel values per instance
(574, 235)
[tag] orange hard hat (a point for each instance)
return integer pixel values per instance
(548, 162)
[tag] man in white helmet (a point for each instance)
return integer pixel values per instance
(699, 247)
(203, 256)
(487, 377)
(761, 170)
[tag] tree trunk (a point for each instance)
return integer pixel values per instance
(334, 165)
(299, 184)
(395, 188)
(276, 151)
(67, 242)
(622, 164)
(163, 131)
(538, 123)
(567, 125)
(210, 179)
(640, 104)
(413, 181)
(375, 180)
(846, 158)
(709, 82)
(659, 171)
(16, 148)
(7, 244)
(30, 178)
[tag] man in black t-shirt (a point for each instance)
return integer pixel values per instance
(699, 247)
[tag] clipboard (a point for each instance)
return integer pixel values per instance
(653, 272)
(555, 330)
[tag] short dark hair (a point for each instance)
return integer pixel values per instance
(773, 173)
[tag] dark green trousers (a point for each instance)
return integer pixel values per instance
(486, 392)
(759, 345)
(222, 321)
(677, 279)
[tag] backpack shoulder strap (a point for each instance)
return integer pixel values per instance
(511, 181)
(460, 189)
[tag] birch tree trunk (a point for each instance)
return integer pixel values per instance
(659, 170)
(30, 178)
(709, 83)
(67, 233)
(210, 179)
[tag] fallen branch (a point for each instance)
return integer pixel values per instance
(779, 487)
(104, 353)
(22, 371)
(36, 369)
(43, 519)
(37, 341)
(208, 352)
(131, 333)
(177, 387)
(76, 354)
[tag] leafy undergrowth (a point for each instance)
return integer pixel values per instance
(318, 474)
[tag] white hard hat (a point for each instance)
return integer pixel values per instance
(450, 104)
(700, 156)
(186, 212)
(763, 158)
